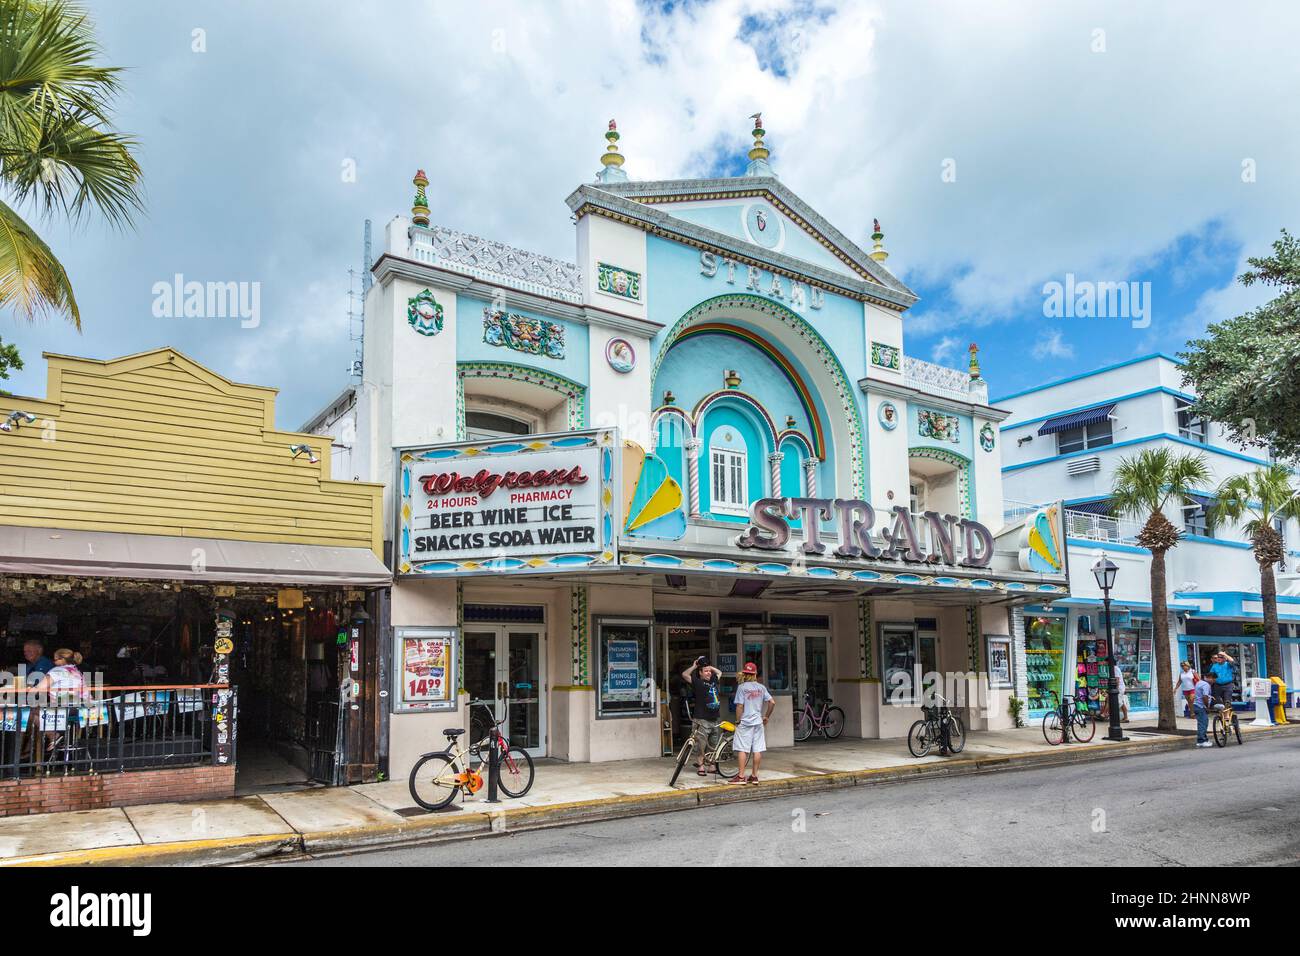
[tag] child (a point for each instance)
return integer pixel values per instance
(754, 704)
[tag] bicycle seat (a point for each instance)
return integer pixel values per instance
(727, 725)
(453, 731)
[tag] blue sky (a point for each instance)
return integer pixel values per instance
(1103, 140)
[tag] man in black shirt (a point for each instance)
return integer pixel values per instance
(706, 709)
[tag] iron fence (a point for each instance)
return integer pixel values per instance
(112, 729)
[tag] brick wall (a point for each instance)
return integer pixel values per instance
(96, 791)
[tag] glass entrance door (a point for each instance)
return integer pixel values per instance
(812, 668)
(504, 672)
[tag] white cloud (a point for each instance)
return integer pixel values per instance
(1051, 344)
(945, 349)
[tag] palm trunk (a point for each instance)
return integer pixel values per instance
(1160, 642)
(1272, 635)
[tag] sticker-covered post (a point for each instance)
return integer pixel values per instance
(223, 706)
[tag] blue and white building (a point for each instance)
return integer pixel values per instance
(701, 435)
(1063, 440)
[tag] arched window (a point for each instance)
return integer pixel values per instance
(481, 425)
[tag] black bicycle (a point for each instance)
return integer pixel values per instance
(1067, 719)
(938, 726)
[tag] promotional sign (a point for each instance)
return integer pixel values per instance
(623, 682)
(425, 668)
(511, 505)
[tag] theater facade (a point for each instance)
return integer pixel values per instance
(702, 435)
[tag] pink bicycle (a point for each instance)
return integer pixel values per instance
(829, 721)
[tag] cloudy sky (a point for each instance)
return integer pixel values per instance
(1002, 146)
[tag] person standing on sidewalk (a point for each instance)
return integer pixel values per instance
(1186, 685)
(1202, 695)
(754, 704)
(706, 709)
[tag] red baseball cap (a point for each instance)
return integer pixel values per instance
(750, 668)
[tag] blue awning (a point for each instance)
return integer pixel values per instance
(1089, 416)
(1101, 506)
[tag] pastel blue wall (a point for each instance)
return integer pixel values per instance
(728, 425)
(470, 346)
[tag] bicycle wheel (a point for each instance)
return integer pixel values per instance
(433, 781)
(1084, 726)
(727, 765)
(918, 739)
(1236, 728)
(683, 756)
(1052, 729)
(803, 726)
(834, 725)
(956, 734)
(515, 772)
(1220, 730)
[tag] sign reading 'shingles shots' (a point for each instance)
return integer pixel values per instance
(505, 506)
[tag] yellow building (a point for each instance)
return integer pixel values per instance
(151, 517)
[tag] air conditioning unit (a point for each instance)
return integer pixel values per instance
(1083, 466)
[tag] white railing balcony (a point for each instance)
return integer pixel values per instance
(1013, 511)
(1101, 528)
(495, 262)
(941, 380)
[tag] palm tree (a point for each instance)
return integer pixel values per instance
(58, 151)
(1142, 487)
(1262, 496)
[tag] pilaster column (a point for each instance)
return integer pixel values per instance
(810, 477)
(693, 446)
(774, 465)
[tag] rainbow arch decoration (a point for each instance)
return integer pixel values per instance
(1042, 541)
(780, 360)
(652, 498)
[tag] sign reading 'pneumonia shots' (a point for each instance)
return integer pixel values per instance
(535, 503)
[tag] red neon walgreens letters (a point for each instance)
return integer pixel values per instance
(486, 482)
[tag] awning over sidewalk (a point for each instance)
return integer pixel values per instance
(205, 560)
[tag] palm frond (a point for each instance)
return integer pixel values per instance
(32, 280)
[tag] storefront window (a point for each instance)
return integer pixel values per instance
(625, 648)
(778, 679)
(1134, 657)
(898, 656)
(997, 652)
(1044, 670)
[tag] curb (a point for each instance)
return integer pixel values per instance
(488, 822)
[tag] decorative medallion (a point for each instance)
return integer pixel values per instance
(620, 355)
(986, 437)
(886, 356)
(888, 416)
(424, 313)
(938, 426)
(523, 334)
(615, 280)
(763, 226)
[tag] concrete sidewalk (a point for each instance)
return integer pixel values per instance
(325, 820)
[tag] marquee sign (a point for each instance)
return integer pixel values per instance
(541, 504)
(946, 537)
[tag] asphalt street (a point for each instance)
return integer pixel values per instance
(1194, 807)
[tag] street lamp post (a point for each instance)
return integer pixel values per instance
(1104, 571)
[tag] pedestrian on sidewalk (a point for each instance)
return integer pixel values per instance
(1186, 685)
(1202, 695)
(754, 704)
(702, 677)
(1121, 689)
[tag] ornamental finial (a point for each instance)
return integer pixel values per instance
(758, 150)
(878, 242)
(420, 205)
(974, 361)
(611, 160)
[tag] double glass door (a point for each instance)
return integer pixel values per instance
(504, 671)
(811, 669)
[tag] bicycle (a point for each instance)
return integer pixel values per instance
(438, 777)
(722, 757)
(1068, 718)
(829, 720)
(937, 725)
(1223, 715)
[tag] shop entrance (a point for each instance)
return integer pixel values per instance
(812, 667)
(678, 649)
(504, 672)
(1246, 658)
